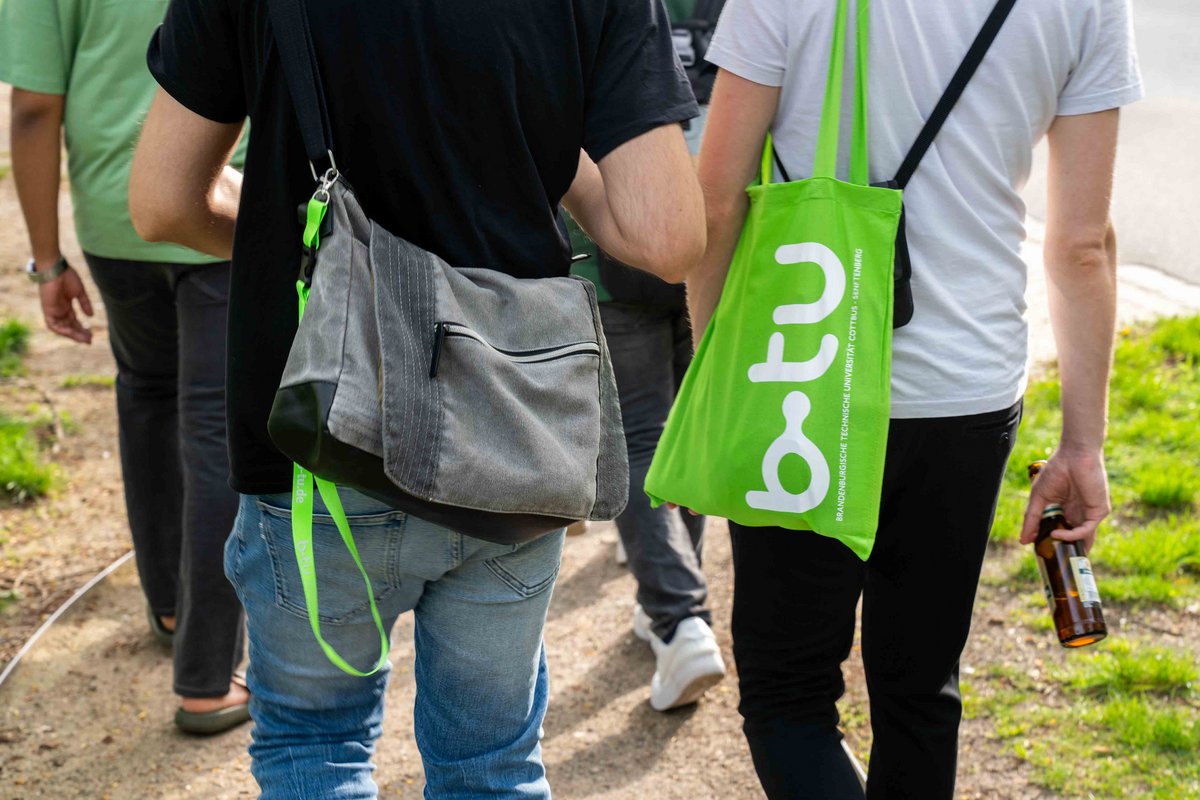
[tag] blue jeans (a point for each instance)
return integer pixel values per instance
(480, 671)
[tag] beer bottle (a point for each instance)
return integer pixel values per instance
(1068, 580)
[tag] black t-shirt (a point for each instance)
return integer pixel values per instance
(458, 122)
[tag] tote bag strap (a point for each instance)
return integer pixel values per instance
(941, 112)
(826, 159)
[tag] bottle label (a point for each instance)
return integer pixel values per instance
(1085, 580)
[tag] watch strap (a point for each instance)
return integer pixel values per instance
(56, 269)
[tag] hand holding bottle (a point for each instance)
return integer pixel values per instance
(1078, 482)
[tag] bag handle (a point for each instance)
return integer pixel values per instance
(958, 84)
(941, 112)
(826, 158)
(298, 57)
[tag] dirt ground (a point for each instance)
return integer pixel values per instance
(88, 713)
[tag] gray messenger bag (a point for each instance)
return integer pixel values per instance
(475, 400)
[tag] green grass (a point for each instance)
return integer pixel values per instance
(1119, 721)
(1167, 489)
(1149, 549)
(1123, 668)
(88, 382)
(23, 474)
(1121, 718)
(14, 343)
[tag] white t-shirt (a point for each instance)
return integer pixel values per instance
(965, 350)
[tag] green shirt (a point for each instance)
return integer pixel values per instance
(94, 52)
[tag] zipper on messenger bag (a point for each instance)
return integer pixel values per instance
(450, 330)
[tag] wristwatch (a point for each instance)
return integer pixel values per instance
(58, 268)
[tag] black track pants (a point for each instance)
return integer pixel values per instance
(793, 619)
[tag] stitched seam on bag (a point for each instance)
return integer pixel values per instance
(436, 411)
(410, 465)
(422, 412)
(419, 413)
(589, 293)
(341, 199)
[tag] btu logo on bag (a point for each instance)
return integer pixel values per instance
(796, 406)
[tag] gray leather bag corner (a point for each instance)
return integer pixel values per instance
(476, 400)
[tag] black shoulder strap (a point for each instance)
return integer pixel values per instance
(966, 70)
(293, 40)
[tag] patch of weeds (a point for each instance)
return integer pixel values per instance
(88, 382)
(1167, 485)
(1143, 589)
(23, 474)
(1025, 571)
(14, 343)
(4, 170)
(1120, 721)
(1149, 550)
(7, 599)
(1141, 724)
(1179, 337)
(1121, 668)
(69, 424)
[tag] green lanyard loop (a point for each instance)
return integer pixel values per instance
(825, 162)
(302, 507)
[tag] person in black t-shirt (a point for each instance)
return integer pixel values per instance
(462, 125)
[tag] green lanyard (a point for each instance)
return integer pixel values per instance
(302, 502)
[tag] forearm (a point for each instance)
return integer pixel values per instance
(36, 161)
(726, 216)
(642, 204)
(587, 201)
(181, 188)
(210, 229)
(1081, 284)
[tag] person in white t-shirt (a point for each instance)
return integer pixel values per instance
(1060, 69)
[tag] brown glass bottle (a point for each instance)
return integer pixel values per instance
(1068, 580)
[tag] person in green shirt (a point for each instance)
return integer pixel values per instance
(77, 68)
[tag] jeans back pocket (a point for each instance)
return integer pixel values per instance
(341, 594)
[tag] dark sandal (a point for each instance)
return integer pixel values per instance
(208, 723)
(164, 636)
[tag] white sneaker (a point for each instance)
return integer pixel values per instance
(687, 667)
(641, 623)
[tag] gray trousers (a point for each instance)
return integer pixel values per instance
(651, 349)
(166, 325)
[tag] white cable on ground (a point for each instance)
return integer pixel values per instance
(859, 770)
(83, 590)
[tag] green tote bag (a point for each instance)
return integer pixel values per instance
(782, 419)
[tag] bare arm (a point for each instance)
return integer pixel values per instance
(738, 119)
(642, 204)
(1081, 268)
(180, 188)
(37, 163)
